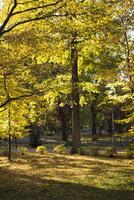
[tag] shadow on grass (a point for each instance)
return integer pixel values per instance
(72, 168)
(96, 166)
(18, 185)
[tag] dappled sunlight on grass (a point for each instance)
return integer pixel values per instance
(81, 177)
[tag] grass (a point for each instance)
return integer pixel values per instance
(65, 177)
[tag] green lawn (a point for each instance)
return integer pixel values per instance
(66, 177)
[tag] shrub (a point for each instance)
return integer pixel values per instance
(131, 147)
(41, 149)
(22, 150)
(80, 151)
(109, 151)
(94, 138)
(61, 149)
(4, 151)
(93, 151)
(130, 153)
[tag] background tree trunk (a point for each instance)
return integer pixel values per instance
(94, 119)
(9, 136)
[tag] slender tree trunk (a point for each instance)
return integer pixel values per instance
(76, 143)
(110, 123)
(62, 119)
(15, 142)
(94, 116)
(113, 125)
(9, 135)
(64, 131)
(94, 120)
(127, 51)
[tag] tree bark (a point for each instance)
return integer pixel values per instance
(62, 119)
(94, 120)
(127, 51)
(76, 143)
(9, 136)
(110, 122)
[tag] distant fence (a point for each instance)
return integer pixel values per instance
(115, 141)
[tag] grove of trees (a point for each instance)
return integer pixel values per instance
(66, 65)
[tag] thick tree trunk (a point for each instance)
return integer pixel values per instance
(76, 143)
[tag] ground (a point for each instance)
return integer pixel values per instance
(65, 177)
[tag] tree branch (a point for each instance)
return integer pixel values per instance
(37, 7)
(50, 14)
(8, 16)
(27, 2)
(2, 110)
(38, 19)
(10, 99)
(11, 13)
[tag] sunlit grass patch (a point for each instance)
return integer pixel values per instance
(55, 177)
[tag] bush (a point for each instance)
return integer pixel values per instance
(131, 147)
(93, 151)
(41, 149)
(130, 153)
(109, 152)
(80, 151)
(22, 150)
(4, 151)
(61, 149)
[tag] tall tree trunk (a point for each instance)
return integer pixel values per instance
(94, 116)
(64, 115)
(64, 131)
(16, 142)
(110, 122)
(63, 122)
(94, 120)
(9, 135)
(76, 143)
(113, 125)
(127, 51)
(62, 119)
